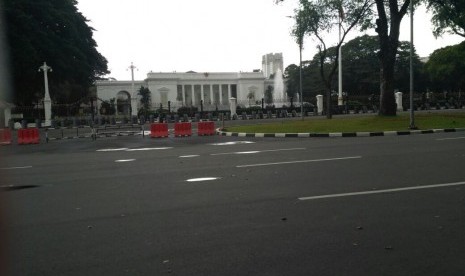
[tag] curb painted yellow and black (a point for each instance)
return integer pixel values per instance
(220, 132)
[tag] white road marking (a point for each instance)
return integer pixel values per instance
(232, 143)
(299, 161)
(255, 151)
(16, 168)
(189, 156)
(125, 160)
(384, 191)
(454, 138)
(120, 149)
(144, 149)
(202, 179)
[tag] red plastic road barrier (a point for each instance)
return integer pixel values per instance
(159, 130)
(35, 137)
(5, 136)
(20, 137)
(28, 136)
(206, 128)
(182, 129)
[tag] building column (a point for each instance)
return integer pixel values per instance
(221, 94)
(202, 97)
(229, 91)
(193, 95)
(212, 100)
(183, 95)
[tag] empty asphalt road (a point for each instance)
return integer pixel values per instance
(236, 206)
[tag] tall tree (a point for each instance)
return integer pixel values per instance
(446, 67)
(320, 17)
(448, 16)
(53, 31)
(389, 16)
(361, 69)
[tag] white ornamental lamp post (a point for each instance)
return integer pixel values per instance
(133, 92)
(47, 101)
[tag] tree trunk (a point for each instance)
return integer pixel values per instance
(388, 42)
(387, 99)
(329, 113)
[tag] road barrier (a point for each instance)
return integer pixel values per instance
(5, 136)
(206, 128)
(182, 129)
(28, 136)
(159, 130)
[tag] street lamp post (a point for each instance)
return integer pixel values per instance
(47, 101)
(412, 113)
(340, 101)
(300, 78)
(300, 41)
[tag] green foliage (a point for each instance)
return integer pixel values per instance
(319, 18)
(446, 67)
(269, 94)
(448, 16)
(53, 31)
(146, 97)
(361, 69)
(107, 107)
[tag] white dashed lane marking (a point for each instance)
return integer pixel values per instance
(16, 168)
(453, 138)
(232, 143)
(136, 149)
(299, 161)
(202, 179)
(124, 160)
(109, 150)
(256, 151)
(383, 191)
(145, 149)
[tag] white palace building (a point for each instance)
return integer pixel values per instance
(214, 89)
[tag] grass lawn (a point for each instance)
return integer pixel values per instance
(357, 124)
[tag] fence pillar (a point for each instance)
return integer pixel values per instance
(233, 105)
(319, 104)
(399, 101)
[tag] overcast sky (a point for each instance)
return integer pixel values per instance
(209, 35)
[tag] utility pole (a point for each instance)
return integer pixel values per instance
(301, 42)
(340, 100)
(412, 112)
(47, 101)
(300, 73)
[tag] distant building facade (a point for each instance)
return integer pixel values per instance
(212, 89)
(271, 63)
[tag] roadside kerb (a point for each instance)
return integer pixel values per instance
(220, 132)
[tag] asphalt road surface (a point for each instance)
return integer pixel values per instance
(235, 206)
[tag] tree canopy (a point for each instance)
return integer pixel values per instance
(448, 16)
(446, 67)
(318, 18)
(386, 17)
(360, 69)
(51, 31)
